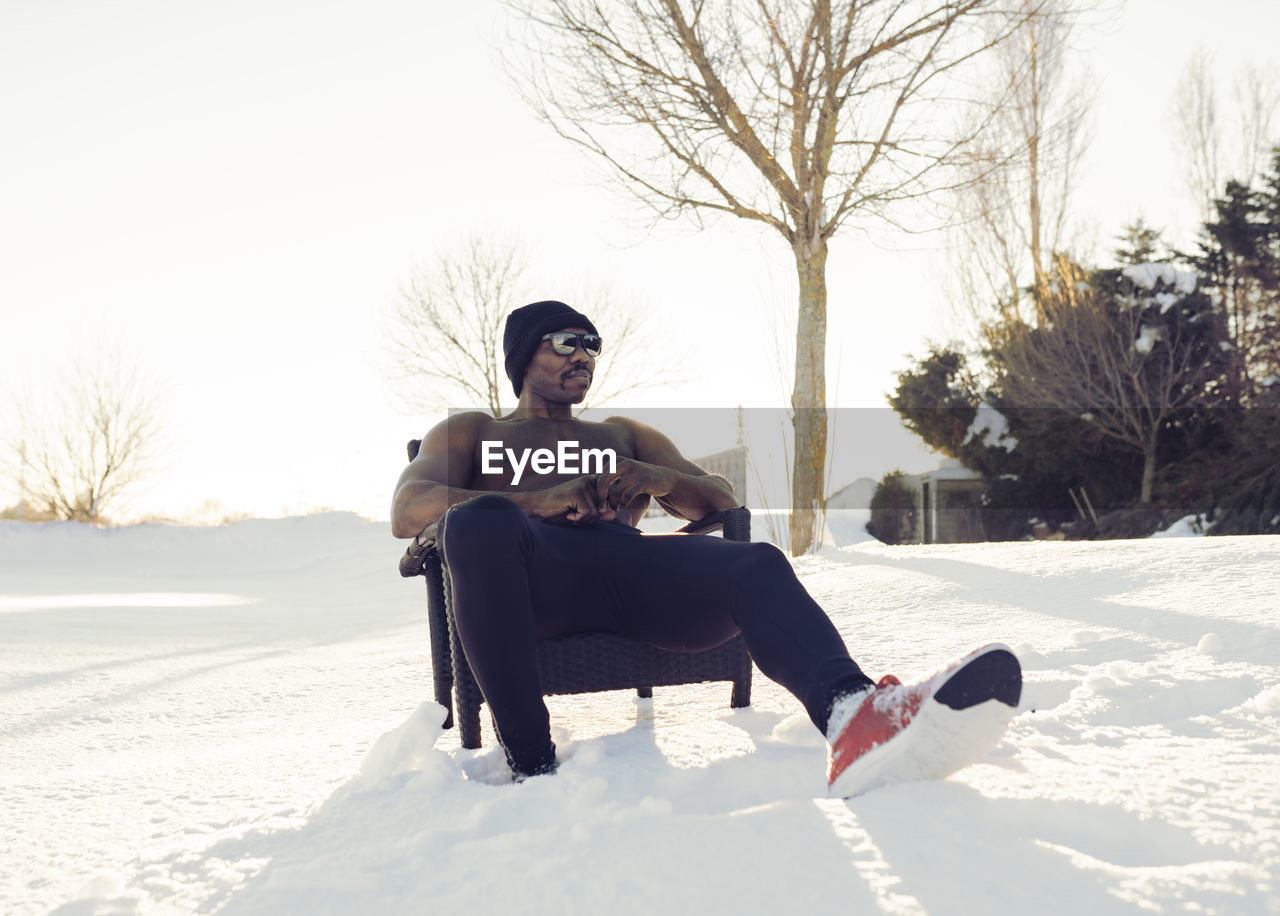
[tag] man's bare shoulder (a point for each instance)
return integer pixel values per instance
(461, 420)
(635, 430)
(466, 418)
(625, 424)
(456, 430)
(653, 446)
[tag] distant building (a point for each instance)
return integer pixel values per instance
(731, 464)
(951, 504)
(948, 505)
(856, 495)
(849, 510)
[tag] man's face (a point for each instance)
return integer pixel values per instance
(560, 379)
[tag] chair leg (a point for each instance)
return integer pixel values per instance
(444, 696)
(741, 695)
(441, 649)
(469, 695)
(469, 712)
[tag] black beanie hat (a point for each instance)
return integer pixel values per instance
(525, 327)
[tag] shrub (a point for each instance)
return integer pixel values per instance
(894, 510)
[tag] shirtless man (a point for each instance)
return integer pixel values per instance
(537, 547)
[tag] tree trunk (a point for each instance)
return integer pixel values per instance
(1148, 472)
(1033, 207)
(1033, 171)
(809, 396)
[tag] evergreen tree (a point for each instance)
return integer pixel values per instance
(1030, 471)
(1239, 262)
(1140, 244)
(936, 399)
(1104, 390)
(894, 510)
(1267, 273)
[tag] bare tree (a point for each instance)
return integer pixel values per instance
(447, 326)
(797, 115)
(1199, 136)
(1125, 360)
(1257, 94)
(446, 337)
(1200, 121)
(80, 448)
(1221, 178)
(1014, 215)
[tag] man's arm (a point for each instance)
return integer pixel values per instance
(438, 478)
(659, 470)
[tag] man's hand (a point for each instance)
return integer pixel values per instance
(634, 478)
(576, 500)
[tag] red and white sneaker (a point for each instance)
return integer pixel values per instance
(896, 733)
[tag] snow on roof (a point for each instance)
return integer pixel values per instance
(950, 469)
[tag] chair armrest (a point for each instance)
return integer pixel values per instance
(735, 523)
(411, 564)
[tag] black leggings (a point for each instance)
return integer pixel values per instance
(517, 579)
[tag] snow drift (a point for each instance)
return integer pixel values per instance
(232, 720)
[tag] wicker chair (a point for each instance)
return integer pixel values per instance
(577, 662)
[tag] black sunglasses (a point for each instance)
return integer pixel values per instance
(565, 342)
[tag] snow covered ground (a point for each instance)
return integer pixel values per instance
(232, 720)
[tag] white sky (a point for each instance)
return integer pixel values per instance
(235, 191)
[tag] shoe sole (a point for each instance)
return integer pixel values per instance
(991, 674)
(957, 726)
